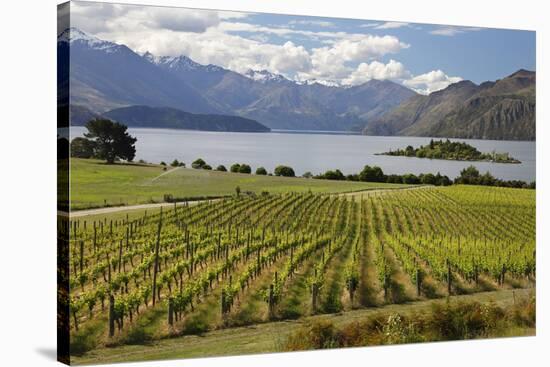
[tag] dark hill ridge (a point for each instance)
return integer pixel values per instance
(501, 110)
(166, 117)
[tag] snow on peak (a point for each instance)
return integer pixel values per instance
(75, 35)
(264, 76)
(181, 62)
(326, 83)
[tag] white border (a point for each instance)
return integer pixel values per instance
(27, 147)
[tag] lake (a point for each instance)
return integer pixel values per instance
(318, 152)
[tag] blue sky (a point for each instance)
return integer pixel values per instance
(422, 57)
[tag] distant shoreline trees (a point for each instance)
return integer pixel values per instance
(456, 151)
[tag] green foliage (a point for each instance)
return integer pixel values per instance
(111, 140)
(82, 148)
(235, 168)
(221, 168)
(261, 171)
(199, 163)
(245, 168)
(445, 149)
(372, 174)
(332, 175)
(285, 171)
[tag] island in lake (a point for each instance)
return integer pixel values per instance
(450, 150)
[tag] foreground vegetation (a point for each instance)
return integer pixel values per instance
(444, 321)
(256, 258)
(277, 336)
(456, 151)
(96, 184)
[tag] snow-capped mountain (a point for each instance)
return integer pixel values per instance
(326, 83)
(76, 36)
(264, 76)
(103, 79)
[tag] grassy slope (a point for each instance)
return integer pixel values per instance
(267, 337)
(95, 184)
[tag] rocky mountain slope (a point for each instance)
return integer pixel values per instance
(502, 110)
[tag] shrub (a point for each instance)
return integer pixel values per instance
(198, 163)
(285, 171)
(221, 168)
(261, 171)
(235, 168)
(245, 168)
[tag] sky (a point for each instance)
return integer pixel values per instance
(349, 52)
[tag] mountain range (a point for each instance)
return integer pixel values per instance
(107, 76)
(500, 110)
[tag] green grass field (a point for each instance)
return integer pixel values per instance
(96, 184)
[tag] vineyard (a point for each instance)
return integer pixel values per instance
(255, 258)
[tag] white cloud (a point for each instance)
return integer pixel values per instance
(226, 39)
(369, 25)
(319, 23)
(450, 31)
(430, 82)
(392, 25)
(393, 70)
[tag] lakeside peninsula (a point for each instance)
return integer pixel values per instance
(455, 151)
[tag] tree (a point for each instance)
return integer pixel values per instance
(198, 163)
(285, 171)
(468, 176)
(427, 179)
(307, 175)
(410, 179)
(372, 174)
(261, 171)
(82, 148)
(207, 167)
(245, 168)
(221, 168)
(111, 140)
(235, 168)
(175, 163)
(333, 175)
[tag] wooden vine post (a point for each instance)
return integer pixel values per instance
(171, 310)
(449, 278)
(156, 258)
(111, 315)
(418, 282)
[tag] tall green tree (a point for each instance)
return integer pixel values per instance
(111, 140)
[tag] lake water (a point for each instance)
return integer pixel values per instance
(317, 152)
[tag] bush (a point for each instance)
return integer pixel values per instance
(245, 168)
(198, 163)
(175, 163)
(320, 334)
(207, 167)
(235, 168)
(261, 171)
(372, 174)
(285, 171)
(221, 168)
